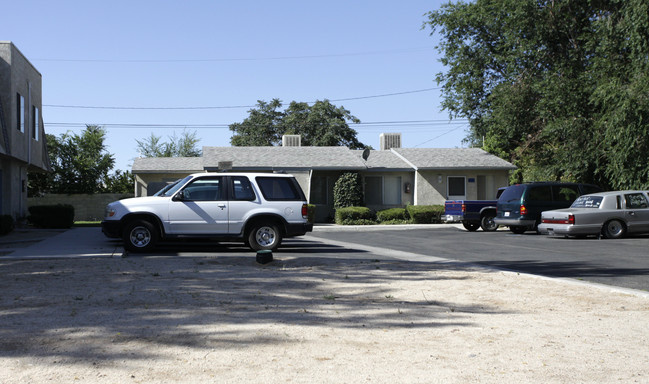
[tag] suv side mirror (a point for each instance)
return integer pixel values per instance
(180, 196)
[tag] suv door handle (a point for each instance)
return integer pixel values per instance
(222, 206)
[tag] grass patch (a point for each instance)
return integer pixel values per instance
(87, 224)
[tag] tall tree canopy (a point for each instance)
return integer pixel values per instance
(320, 124)
(183, 146)
(560, 88)
(80, 163)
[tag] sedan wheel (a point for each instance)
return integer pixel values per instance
(614, 229)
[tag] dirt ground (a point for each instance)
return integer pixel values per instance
(310, 319)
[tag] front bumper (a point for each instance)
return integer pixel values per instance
(112, 228)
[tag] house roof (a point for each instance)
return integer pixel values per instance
(283, 157)
(168, 165)
(451, 158)
(384, 160)
(324, 158)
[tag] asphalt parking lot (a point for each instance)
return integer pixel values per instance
(620, 263)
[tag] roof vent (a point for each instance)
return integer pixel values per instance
(389, 140)
(291, 141)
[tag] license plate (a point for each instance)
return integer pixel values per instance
(507, 214)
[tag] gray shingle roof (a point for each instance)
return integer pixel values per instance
(452, 158)
(283, 157)
(384, 160)
(324, 158)
(168, 165)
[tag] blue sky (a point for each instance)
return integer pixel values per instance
(140, 67)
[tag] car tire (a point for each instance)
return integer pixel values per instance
(614, 229)
(487, 223)
(264, 236)
(519, 230)
(140, 236)
(471, 227)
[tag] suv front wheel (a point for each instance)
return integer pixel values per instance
(264, 237)
(140, 236)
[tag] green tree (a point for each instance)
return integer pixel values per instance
(119, 182)
(320, 124)
(183, 146)
(80, 162)
(558, 88)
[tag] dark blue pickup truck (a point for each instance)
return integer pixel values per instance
(473, 214)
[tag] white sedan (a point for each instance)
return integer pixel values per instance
(612, 215)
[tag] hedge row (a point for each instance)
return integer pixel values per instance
(412, 214)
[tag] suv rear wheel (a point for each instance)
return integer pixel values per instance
(140, 236)
(264, 236)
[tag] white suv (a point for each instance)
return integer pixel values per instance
(258, 208)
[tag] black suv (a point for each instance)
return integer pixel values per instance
(520, 206)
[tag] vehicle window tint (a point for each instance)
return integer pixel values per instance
(587, 202)
(511, 194)
(205, 189)
(565, 193)
(540, 193)
(279, 188)
(635, 201)
(241, 189)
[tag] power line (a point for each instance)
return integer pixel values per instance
(231, 106)
(209, 60)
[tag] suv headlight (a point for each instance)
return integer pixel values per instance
(110, 211)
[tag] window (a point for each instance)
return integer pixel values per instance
(383, 190)
(456, 186)
(587, 202)
(241, 189)
(540, 193)
(373, 190)
(392, 190)
(319, 188)
(279, 188)
(204, 189)
(635, 201)
(35, 123)
(565, 193)
(20, 113)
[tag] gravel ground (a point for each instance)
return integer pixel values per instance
(310, 319)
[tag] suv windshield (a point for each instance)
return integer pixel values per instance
(172, 188)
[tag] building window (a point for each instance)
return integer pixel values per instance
(319, 188)
(383, 190)
(36, 125)
(456, 186)
(20, 113)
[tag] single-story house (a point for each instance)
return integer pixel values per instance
(392, 176)
(22, 143)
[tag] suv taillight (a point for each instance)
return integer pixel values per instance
(463, 208)
(305, 211)
(523, 210)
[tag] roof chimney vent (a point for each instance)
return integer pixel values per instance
(291, 141)
(389, 140)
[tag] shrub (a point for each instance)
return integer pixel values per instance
(392, 215)
(52, 216)
(6, 224)
(426, 214)
(311, 213)
(355, 216)
(348, 191)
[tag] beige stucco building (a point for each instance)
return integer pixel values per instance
(392, 176)
(22, 139)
